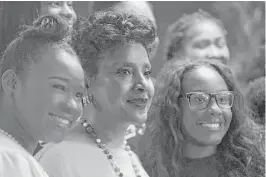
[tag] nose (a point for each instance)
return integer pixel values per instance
(214, 53)
(214, 109)
(66, 12)
(72, 107)
(140, 83)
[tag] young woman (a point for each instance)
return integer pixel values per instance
(197, 35)
(198, 125)
(42, 85)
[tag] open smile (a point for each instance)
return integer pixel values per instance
(211, 126)
(63, 122)
(141, 103)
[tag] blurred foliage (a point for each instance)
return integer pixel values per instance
(245, 24)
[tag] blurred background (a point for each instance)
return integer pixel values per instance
(244, 21)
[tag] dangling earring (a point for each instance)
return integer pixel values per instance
(87, 100)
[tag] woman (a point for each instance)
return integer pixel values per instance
(197, 35)
(114, 48)
(42, 85)
(198, 126)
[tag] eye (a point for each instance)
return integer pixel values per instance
(70, 4)
(55, 3)
(201, 44)
(123, 72)
(79, 95)
(148, 73)
(59, 87)
(221, 43)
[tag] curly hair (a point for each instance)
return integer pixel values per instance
(105, 31)
(176, 32)
(240, 152)
(255, 96)
(47, 31)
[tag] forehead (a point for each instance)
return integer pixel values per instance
(205, 29)
(130, 53)
(56, 61)
(204, 79)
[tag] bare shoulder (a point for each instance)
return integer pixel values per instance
(138, 163)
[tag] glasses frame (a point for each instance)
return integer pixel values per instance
(211, 95)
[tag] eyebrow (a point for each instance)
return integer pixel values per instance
(130, 64)
(65, 80)
(59, 78)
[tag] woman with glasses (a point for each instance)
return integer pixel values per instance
(198, 125)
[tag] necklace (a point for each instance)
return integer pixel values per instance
(106, 151)
(9, 136)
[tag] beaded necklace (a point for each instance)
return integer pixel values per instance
(90, 130)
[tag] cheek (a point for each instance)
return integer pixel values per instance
(228, 116)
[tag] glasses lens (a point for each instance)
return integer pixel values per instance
(198, 100)
(225, 99)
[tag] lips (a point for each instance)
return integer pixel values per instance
(211, 125)
(62, 121)
(139, 102)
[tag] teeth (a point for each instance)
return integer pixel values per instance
(214, 125)
(60, 119)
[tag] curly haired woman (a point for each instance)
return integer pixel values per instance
(198, 125)
(115, 51)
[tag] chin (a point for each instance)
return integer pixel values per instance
(138, 119)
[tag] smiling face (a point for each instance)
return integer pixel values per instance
(63, 9)
(205, 39)
(123, 86)
(206, 126)
(48, 99)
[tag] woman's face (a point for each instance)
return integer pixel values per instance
(206, 39)
(48, 102)
(63, 9)
(123, 86)
(205, 125)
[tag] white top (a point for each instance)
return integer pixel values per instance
(78, 156)
(15, 161)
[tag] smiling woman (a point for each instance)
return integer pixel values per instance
(198, 125)
(114, 48)
(42, 83)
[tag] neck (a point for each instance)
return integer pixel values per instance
(197, 151)
(9, 123)
(111, 131)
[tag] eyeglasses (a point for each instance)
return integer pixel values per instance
(200, 100)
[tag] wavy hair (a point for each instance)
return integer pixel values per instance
(240, 152)
(46, 31)
(105, 31)
(176, 32)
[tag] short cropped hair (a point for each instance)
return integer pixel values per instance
(105, 31)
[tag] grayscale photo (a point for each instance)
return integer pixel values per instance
(132, 88)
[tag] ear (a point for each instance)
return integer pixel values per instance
(9, 81)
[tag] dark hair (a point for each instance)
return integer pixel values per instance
(240, 151)
(104, 31)
(176, 32)
(255, 96)
(47, 31)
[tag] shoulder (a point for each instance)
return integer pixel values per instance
(67, 158)
(16, 163)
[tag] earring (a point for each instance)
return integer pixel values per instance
(87, 100)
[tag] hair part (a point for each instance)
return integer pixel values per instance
(177, 32)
